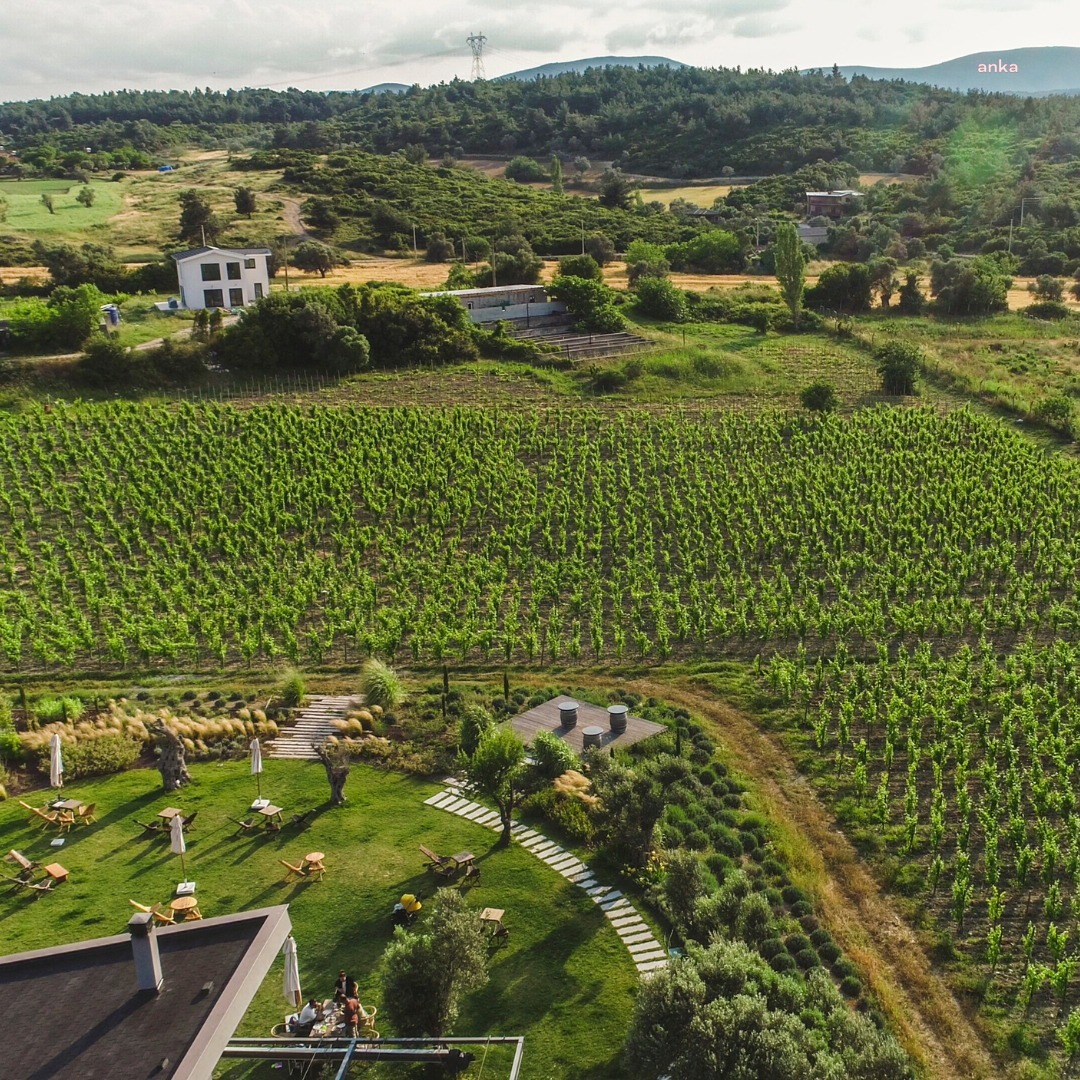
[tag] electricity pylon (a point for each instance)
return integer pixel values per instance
(476, 42)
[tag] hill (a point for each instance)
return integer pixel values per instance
(386, 88)
(578, 67)
(1014, 71)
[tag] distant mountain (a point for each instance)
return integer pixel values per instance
(386, 88)
(1048, 70)
(547, 70)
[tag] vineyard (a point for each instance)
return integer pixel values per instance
(197, 536)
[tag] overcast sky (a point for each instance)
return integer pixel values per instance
(52, 47)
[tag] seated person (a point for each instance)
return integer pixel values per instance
(306, 1019)
(340, 987)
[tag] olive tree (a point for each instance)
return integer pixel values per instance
(497, 771)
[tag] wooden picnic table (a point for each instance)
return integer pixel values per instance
(314, 857)
(494, 916)
(270, 813)
(462, 858)
(170, 812)
(186, 906)
(66, 804)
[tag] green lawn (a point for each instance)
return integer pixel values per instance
(27, 213)
(564, 980)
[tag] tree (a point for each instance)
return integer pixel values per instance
(244, 198)
(91, 264)
(602, 249)
(198, 222)
(439, 248)
(322, 215)
(580, 266)
(591, 303)
(969, 287)
(883, 278)
(525, 170)
(659, 298)
(312, 256)
(843, 288)
(615, 189)
(515, 264)
(3, 208)
(47, 202)
(427, 972)
(645, 260)
(556, 174)
(819, 397)
(912, 298)
(497, 771)
(898, 363)
(337, 762)
(715, 251)
(630, 803)
(1047, 288)
(86, 196)
(474, 723)
(790, 268)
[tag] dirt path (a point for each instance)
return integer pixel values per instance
(924, 1014)
(290, 211)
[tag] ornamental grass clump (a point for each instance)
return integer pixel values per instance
(380, 685)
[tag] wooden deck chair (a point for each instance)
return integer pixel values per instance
(161, 914)
(316, 869)
(86, 814)
(149, 828)
(64, 820)
(46, 819)
(26, 866)
(188, 823)
(299, 871)
(243, 826)
(300, 819)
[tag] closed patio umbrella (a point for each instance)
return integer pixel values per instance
(176, 840)
(256, 764)
(56, 762)
(291, 985)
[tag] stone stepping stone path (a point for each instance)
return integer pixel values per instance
(648, 954)
(314, 724)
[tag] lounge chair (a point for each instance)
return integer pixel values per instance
(47, 819)
(86, 814)
(244, 826)
(299, 871)
(34, 886)
(26, 866)
(440, 865)
(150, 828)
(161, 915)
(300, 819)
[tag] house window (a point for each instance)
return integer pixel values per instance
(232, 271)
(258, 290)
(213, 298)
(236, 298)
(249, 264)
(210, 271)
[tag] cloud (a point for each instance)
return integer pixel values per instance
(696, 28)
(759, 26)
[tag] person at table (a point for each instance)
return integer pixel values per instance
(340, 987)
(305, 1021)
(351, 1016)
(351, 989)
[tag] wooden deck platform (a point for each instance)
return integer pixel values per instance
(546, 717)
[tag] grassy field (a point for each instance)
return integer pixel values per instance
(564, 980)
(28, 215)
(699, 194)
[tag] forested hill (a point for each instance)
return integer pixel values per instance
(664, 121)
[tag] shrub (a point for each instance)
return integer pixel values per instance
(293, 690)
(850, 987)
(807, 959)
(782, 962)
(95, 757)
(552, 755)
(802, 907)
(1049, 310)
(796, 943)
(525, 170)
(11, 747)
(55, 710)
(771, 947)
(899, 363)
(819, 937)
(819, 397)
(829, 952)
(660, 299)
(380, 685)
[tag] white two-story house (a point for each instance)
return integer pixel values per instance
(213, 277)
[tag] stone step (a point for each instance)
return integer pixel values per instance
(633, 928)
(644, 937)
(637, 948)
(645, 958)
(652, 965)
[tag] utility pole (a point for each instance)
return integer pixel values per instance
(493, 281)
(476, 42)
(582, 236)
(1027, 199)
(1011, 220)
(415, 250)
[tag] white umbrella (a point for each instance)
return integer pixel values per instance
(176, 840)
(256, 764)
(56, 762)
(291, 985)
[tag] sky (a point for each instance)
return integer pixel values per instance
(54, 47)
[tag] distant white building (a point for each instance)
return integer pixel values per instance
(213, 277)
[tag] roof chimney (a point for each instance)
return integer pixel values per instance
(144, 947)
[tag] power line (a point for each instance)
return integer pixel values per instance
(476, 42)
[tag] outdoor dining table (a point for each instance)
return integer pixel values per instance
(66, 804)
(492, 916)
(462, 859)
(186, 906)
(270, 813)
(170, 812)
